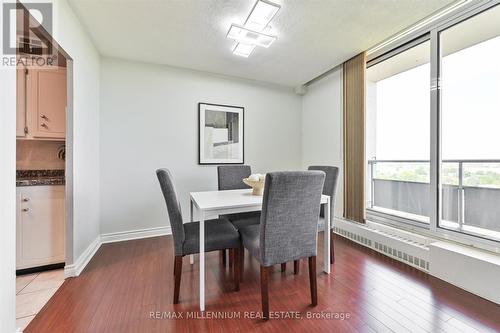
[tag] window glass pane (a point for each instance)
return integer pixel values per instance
(398, 134)
(470, 118)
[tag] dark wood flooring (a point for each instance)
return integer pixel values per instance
(125, 282)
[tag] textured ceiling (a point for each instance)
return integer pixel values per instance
(313, 35)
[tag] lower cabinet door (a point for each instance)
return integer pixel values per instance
(40, 226)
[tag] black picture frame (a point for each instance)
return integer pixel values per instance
(202, 158)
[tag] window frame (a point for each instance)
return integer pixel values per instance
(375, 214)
(433, 33)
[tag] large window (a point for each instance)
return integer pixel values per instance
(452, 128)
(398, 132)
(470, 125)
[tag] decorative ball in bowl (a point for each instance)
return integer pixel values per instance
(256, 182)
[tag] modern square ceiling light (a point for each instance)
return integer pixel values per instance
(255, 30)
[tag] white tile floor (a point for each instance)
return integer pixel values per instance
(32, 292)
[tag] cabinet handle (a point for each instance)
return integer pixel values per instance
(26, 199)
(44, 125)
(26, 209)
(44, 117)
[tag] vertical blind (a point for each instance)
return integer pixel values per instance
(354, 138)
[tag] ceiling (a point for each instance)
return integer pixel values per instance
(313, 35)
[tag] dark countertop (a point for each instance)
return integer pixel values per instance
(39, 177)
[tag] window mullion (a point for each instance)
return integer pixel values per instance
(435, 140)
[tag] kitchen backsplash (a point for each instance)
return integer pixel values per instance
(38, 155)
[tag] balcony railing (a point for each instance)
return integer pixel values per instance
(470, 191)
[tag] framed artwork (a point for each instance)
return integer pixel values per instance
(221, 139)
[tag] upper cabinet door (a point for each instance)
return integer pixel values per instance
(47, 102)
(21, 102)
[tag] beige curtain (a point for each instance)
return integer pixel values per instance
(354, 138)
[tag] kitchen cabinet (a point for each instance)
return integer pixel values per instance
(47, 102)
(41, 103)
(40, 226)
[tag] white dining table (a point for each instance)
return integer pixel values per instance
(215, 203)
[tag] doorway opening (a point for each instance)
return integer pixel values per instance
(44, 123)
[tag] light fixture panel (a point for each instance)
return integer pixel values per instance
(243, 50)
(247, 36)
(260, 16)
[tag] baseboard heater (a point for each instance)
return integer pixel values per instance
(409, 249)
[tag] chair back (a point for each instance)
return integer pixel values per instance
(173, 208)
(289, 219)
(230, 176)
(330, 187)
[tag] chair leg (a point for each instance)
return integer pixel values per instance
(223, 257)
(242, 262)
(296, 267)
(264, 291)
(175, 268)
(283, 267)
(332, 250)
(178, 273)
(312, 280)
(236, 271)
(231, 257)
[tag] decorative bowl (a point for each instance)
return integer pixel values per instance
(256, 185)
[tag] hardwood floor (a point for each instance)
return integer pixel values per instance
(126, 282)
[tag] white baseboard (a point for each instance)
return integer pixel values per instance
(135, 234)
(82, 261)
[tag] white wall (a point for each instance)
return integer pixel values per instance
(7, 195)
(465, 267)
(322, 127)
(7, 199)
(69, 33)
(149, 119)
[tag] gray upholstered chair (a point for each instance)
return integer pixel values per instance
(330, 188)
(219, 233)
(288, 228)
(230, 178)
